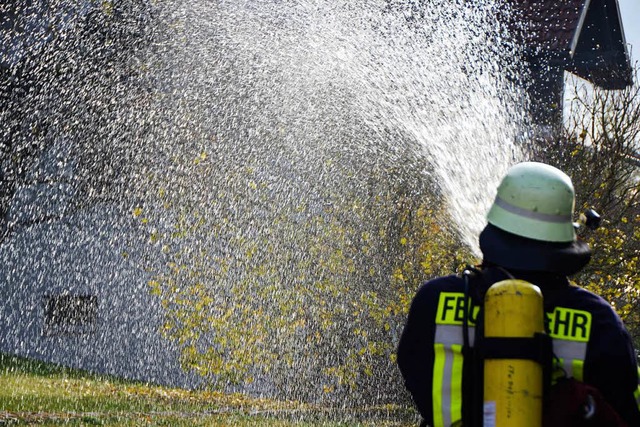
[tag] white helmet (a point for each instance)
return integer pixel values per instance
(530, 224)
(536, 201)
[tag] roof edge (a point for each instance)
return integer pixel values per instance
(578, 30)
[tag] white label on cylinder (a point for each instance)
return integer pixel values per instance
(489, 414)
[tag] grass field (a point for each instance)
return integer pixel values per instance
(37, 393)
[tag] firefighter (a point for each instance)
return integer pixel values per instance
(530, 235)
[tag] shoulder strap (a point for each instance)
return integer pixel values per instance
(466, 347)
(472, 368)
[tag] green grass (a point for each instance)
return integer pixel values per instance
(37, 393)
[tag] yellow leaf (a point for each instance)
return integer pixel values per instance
(107, 7)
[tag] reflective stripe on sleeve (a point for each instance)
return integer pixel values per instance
(437, 392)
(447, 384)
(571, 355)
(636, 394)
(577, 367)
(451, 335)
(447, 368)
(456, 383)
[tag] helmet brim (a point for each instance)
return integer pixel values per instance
(520, 253)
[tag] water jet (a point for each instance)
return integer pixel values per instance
(234, 194)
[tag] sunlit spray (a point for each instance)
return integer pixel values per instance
(239, 159)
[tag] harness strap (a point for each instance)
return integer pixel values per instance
(537, 348)
(471, 416)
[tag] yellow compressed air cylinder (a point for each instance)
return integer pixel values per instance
(513, 387)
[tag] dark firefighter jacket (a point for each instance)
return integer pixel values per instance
(590, 344)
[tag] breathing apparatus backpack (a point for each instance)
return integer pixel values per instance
(565, 402)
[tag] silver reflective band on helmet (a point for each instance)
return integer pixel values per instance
(530, 214)
(535, 201)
